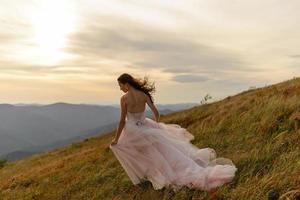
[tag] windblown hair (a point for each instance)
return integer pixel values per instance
(140, 84)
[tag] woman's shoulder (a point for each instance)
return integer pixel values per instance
(138, 93)
(141, 93)
(141, 96)
(124, 97)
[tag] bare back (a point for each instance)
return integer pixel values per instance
(136, 101)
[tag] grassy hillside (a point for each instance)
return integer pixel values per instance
(257, 129)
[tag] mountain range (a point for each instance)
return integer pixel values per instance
(30, 129)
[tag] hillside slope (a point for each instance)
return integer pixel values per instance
(257, 129)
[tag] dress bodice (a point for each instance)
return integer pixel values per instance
(138, 118)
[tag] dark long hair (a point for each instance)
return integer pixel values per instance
(140, 84)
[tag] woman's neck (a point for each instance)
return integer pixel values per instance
(131, 89)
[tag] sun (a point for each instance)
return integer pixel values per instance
(52, 23)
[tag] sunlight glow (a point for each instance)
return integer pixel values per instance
(52, 24)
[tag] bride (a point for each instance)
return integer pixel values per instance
(158, 152)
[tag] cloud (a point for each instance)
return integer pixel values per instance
(187, 78)
(182, 43)
(144, 47)
(295, 56)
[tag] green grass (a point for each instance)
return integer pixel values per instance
(257, 129)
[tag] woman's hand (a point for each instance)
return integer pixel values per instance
(114, 141)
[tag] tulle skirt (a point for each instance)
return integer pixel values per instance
(163, 154)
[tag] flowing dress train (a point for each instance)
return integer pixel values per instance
(163, 154)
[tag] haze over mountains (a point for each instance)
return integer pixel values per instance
(29, 129)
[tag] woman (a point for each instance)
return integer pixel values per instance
(162, 153)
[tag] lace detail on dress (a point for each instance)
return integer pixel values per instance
(139, 123)
(138, 118)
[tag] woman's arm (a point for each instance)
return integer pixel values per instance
(153, 108)
(122, 118)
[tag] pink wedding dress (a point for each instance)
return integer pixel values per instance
(162, 153)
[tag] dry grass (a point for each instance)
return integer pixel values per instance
(257, 129)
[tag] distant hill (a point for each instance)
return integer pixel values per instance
(22, 127)
(29, 129)
(23, 153)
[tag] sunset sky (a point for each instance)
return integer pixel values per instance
(73, 51)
